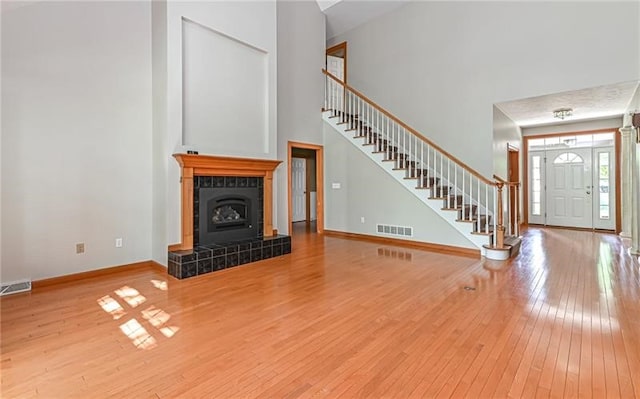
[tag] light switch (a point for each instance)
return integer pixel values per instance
(335, 185)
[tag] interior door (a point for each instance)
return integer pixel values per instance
(335, 66)
(298, 188)
(569, 188)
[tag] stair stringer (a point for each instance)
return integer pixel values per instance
(450, 217)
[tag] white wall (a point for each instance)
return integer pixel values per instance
(301, 47)
(440, 66)
(252, 22)
(505, 133)
(368, 191)
(160, 151)
(76, 133)
(607, 123)
(225, 93)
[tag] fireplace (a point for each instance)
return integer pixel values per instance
(227, 209)
(226, 217)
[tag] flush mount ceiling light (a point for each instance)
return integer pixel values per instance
(562, 113)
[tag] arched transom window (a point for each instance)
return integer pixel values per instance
(568, 157)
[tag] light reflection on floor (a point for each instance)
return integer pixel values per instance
(130, 296)
(138, 334)
(395, 253)
(580, 316)
(161, 285)
(133, 329)
(111, 306)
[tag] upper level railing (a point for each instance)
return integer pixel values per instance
(477, 199)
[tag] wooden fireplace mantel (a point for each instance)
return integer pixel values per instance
(210, 165)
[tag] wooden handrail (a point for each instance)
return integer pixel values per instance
(506, 183)
(410, 129)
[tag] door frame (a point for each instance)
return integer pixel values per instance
(513, 176)
(525, 168)
(319, 150)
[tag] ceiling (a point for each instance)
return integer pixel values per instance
(344, 15)
(587, 104)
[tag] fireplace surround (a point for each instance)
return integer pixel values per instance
(226, 214)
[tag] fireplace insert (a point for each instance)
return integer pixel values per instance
(227, 214)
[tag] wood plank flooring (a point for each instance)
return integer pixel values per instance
(341, 318)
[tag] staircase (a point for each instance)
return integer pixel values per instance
(467, 200)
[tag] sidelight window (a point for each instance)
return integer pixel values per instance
(536, 188)
(603, 185)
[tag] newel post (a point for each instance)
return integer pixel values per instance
(500, 227)
(517, 229)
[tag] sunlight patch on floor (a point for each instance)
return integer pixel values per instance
(111, 306)
(159, 284)
(130, 296)
(138, 334)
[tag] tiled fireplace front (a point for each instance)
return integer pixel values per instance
(213, 257)
(228, 235)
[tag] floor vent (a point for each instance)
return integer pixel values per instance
(395, 230)
(15, 287)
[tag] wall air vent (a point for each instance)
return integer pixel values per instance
(395, 230)
(15, 287)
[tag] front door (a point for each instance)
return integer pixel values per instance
(569, 188)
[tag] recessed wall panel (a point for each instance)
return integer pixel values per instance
(225, 93)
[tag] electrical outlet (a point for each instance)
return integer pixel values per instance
(361, 219)
(118, 242)
(80, 248)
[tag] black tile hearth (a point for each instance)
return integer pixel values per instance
(210, 258)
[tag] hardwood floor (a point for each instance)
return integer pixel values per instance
(341, 318)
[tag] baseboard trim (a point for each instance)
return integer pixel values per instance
(70, 278)
(440, 248)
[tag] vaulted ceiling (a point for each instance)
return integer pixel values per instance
(587, 104)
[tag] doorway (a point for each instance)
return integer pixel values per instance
(305, 186)
(336, 65)
(336, 61)
(573, 181)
